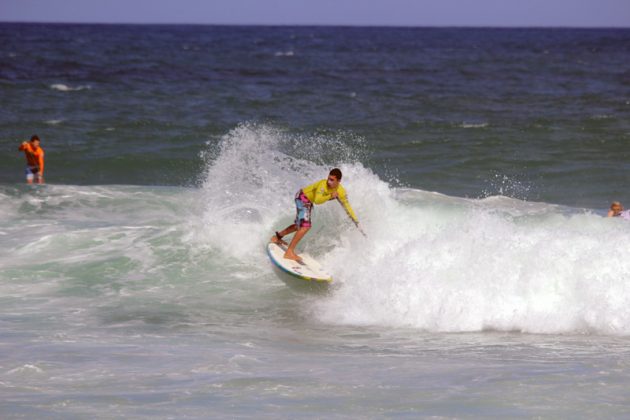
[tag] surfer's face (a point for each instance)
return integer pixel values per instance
(332, 181)
(616, 208)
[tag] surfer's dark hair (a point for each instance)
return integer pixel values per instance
(34, 137)
(336, 173)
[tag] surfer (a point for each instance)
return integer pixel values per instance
(34, 160)
(317, 193)
(616, 210)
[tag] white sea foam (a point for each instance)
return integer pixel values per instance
(26, 369)
(65, 88)
(473, 125)
(473, 266)
(430, 262)
(53, 122)
(601, 117)
(284, 53)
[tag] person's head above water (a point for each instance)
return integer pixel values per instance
(334, 178)
(35, 140)
(616, 208)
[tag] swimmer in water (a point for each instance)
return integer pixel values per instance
(616, 210)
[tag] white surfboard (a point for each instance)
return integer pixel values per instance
(309, 270)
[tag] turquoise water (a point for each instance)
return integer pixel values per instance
(480, 163)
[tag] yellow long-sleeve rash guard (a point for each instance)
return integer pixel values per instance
(319, 193)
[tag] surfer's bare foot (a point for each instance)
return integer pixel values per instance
(290, 255)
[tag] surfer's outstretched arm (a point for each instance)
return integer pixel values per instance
(343, 199)
(346, 206)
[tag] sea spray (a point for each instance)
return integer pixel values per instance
(252, 178)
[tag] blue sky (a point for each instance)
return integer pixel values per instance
(573, 13)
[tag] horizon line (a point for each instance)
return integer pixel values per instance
(311, 25)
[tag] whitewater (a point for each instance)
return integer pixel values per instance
(140, 301)
(431, 262)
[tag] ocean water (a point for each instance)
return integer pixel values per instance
(480, 162)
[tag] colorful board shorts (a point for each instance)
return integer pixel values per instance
(31, 171)
(303, 210)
